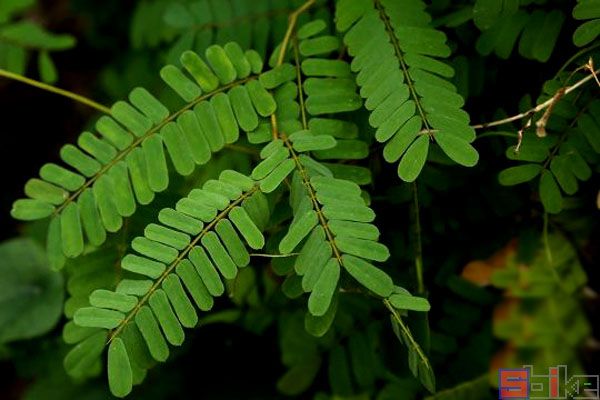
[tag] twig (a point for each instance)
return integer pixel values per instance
(590, 67)
(292, 21)
(521, 131)
(539, 107)
(418, 244)
(540, 125)
(50, 88)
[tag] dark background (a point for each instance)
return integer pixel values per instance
(35, 124)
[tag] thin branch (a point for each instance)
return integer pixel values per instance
(540, 125)
(300, 86)
(292, 21)
(418, 243)
(49, 88)
(539, 107)
(590, 67)
(522, 131)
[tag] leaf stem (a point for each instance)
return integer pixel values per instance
(292, 21)
(313, 198)
(418, 243)
(300, 85)
(49, 88)
(407, 332)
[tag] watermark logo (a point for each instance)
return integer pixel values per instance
(522, 384)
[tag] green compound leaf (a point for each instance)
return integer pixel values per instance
(182, 261)
(404, 83)
(127, 161)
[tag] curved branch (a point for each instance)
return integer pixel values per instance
(49, 88)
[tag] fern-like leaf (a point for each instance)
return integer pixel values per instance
(126, 164)
(332, 230)
(395, 51)
(313, 108)
(331, 227)
(181, 261)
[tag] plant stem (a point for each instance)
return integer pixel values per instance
(292, 21)
(418, 244)
(49, 88)
(537, 108)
